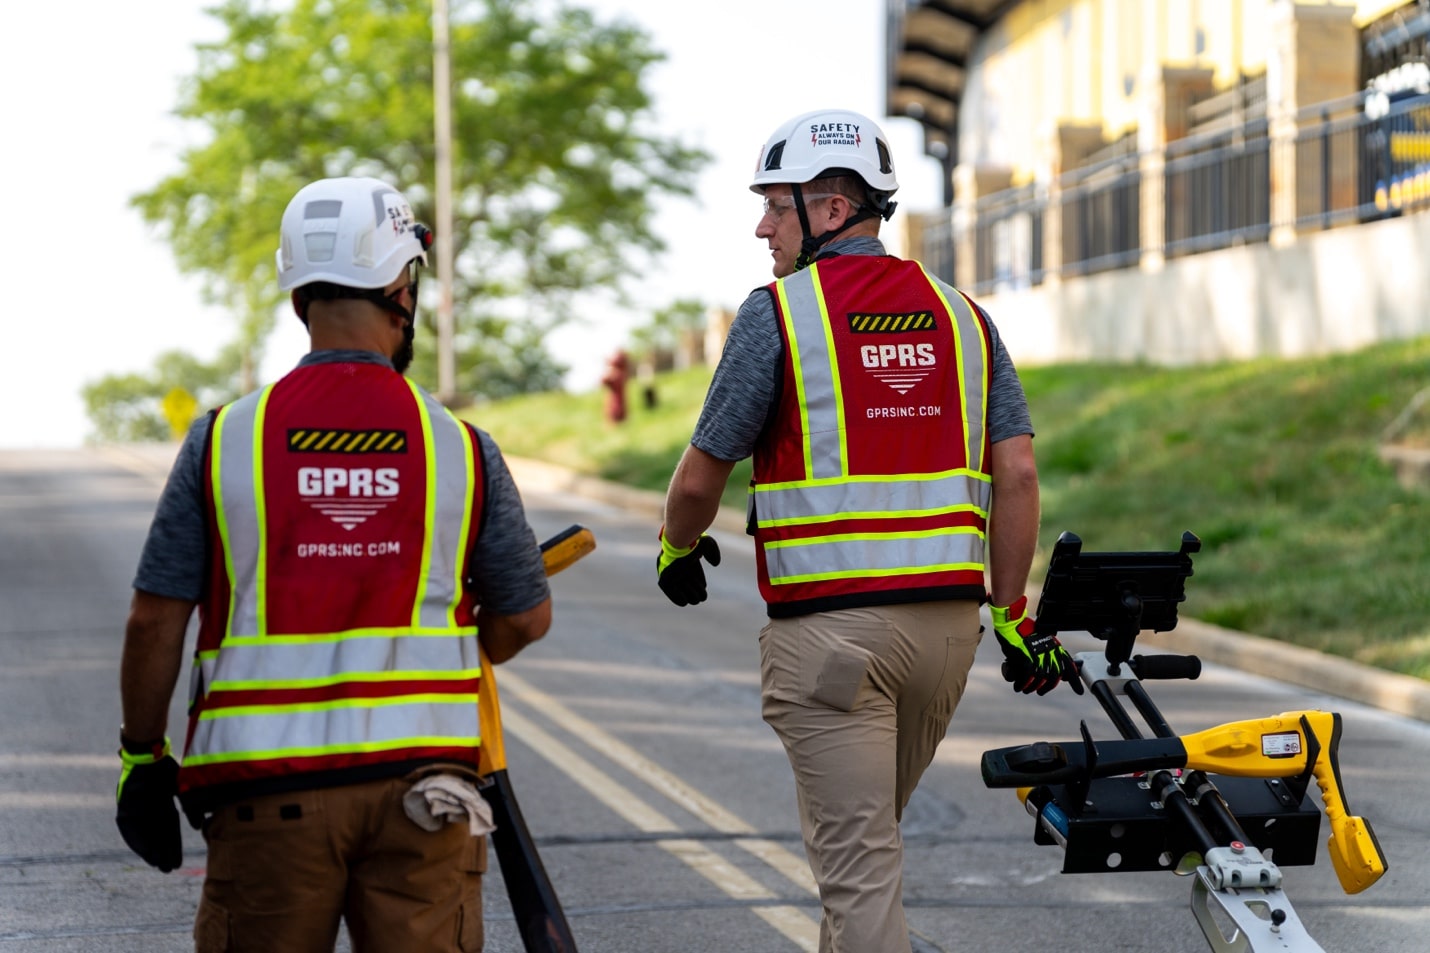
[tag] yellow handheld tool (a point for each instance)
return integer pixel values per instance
(1280, 746)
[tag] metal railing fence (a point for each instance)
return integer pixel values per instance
(1354, 160)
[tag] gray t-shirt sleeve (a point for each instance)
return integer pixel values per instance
(745, 382)
(507, 574)
(1007, 404)
(172, 563)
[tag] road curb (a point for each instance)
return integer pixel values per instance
(551, 477)
(1253, 654)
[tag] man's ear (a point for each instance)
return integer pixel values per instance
(841, 210)
(299, 307)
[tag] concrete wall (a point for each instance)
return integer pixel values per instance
(1330, 292)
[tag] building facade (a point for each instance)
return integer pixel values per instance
(1174, 180)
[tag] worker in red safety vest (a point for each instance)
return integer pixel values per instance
(347, 542)
(894, 491)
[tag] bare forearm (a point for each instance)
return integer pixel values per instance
(503, 636)
(693, 500)
(149, 667)
(1013, 522)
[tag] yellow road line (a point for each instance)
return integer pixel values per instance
(793, 923)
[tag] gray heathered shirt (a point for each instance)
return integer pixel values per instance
(746, 381)
(507, 574)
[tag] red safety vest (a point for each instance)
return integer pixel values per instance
(872, 485)
(336, 636)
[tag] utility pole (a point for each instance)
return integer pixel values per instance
(442, 106)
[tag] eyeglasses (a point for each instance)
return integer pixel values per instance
(777, 209)
(413, 273)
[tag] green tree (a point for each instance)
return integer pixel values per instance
(555, 167)
(131, 407)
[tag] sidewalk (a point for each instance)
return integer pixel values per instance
(1388, 691)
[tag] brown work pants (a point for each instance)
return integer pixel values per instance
(284, 869)
(860, 698)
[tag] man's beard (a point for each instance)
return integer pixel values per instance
(403, 358)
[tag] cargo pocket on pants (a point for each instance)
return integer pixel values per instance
(471, 933)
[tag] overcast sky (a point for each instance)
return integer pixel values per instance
(87, 125)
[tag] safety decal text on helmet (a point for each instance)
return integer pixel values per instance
(834, 134)
(399, 213)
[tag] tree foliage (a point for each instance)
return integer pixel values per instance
(554, 168)
(138, 408)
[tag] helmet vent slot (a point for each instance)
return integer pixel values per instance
(323, 208)
(320, 245)
(776, 153)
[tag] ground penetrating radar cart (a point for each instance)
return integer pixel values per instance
(1217, 804)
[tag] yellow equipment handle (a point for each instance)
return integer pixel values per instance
(557, 553)
(1278, 747)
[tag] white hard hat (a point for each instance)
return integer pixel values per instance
(354, 232)
(812, 145)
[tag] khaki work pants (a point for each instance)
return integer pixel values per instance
(860, 698)
(284, 869)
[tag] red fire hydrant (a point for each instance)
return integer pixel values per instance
(618, 372)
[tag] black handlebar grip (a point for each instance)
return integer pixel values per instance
(1166, 666)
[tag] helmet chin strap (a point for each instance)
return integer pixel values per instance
(811, 244)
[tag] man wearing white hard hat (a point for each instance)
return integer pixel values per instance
(894, 491)
(346, 541)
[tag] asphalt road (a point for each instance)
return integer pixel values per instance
(662, 804)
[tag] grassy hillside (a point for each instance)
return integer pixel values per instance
(1306, 535)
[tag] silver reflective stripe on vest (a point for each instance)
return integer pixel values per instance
(874, 554)
(305, 661)
(816, 374)
(929, 494)
(975, 363)
(353, 725)
(449, 488)
(238, 503)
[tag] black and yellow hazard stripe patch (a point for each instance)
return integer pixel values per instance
(891, 323)
(347, 441)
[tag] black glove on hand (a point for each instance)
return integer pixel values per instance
(147, 817)
(1034, 661)
(681, 576)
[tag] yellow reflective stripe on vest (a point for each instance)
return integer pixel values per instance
(850, 555)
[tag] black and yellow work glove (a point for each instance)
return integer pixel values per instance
(1034, 661)
(147, 816)
(681, 576)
